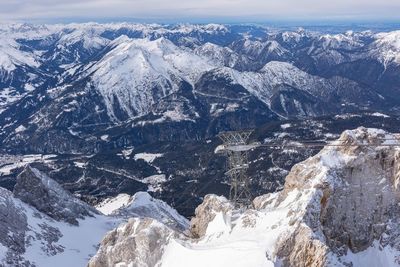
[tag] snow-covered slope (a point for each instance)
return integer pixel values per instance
(338, 208)
(288, 90)
(41, 225)
(43, 236)
(143, 205)
(137, 73)
(131, 70)
(387, 47)
(11, 55)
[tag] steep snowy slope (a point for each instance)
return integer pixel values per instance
(18, 71)
(41, 225)
(289, 91)
(387, 47)
(49, 232)
(338, 208)
(143, 205)
(137, 73)
(11, 55)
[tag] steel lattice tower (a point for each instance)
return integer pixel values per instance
(235, 146)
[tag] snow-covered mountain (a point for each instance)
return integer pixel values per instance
(338, 208)
(42, 225)
(81, 100)
(143, 205)
(137, 73)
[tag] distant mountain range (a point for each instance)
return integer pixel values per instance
(103, 93)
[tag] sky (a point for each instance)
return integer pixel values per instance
(198, 10)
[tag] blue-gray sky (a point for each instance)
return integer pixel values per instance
(187, 10)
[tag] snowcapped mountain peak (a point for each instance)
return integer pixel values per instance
(11, 55)
(221, 56)
(295, 36)
(89, 37)
(203, 28)
(138, 72)
(336, 41)
(143, 205)
(387, 47)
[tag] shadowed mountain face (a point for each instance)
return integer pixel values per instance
(117, 108)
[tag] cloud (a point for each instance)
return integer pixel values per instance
(184, 9)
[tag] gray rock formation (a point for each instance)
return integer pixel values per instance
(46, 195)
(355, 205)
(13, 225)
(16, 234)
(139, 243)
(206, 212)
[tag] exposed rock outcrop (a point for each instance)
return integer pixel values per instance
(206, 212)
(46, 195)
(339, 208)
(41, 224)
(13, 225)
(355, 201)
(139, 242)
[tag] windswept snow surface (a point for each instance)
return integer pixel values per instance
(143, 205)
(374, 256)
(109, 205)
(79, 242)
(233, 242)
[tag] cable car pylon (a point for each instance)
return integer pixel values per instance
(235, 146)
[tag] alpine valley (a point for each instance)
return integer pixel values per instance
(119, 120)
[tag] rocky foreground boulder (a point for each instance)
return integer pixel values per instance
(139, 242)
(338, 208)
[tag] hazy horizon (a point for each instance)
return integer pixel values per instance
(190, 11)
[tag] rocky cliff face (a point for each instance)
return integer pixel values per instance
(46, 195)
(338, 208)
(43, 225)
(355, 203)
(12, 229)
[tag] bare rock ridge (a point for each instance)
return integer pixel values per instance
(46, 195)
(338, 208)
(42, 224)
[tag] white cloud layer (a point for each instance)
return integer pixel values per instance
(186, 9)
